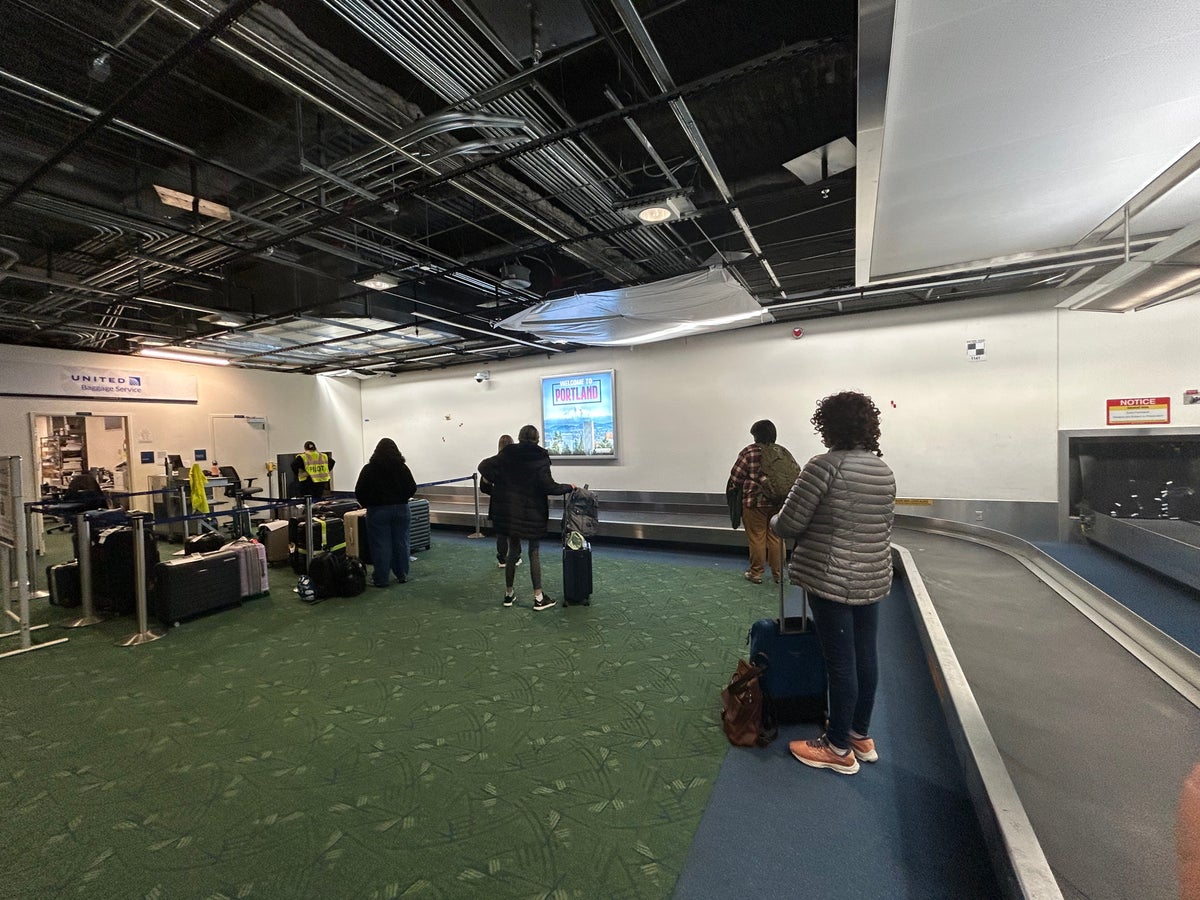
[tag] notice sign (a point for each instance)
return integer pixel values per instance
(1140, 411)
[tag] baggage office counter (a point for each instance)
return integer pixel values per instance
(1095, 715)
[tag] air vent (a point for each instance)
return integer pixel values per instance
(515, 277)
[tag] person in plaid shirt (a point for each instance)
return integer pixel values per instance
(756, 509)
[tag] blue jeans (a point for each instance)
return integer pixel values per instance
(387, 533)
(847, 635)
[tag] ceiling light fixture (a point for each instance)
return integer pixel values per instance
(381, 282)
(515, 277)
(183, 356)
(661, 210)
(224, 319)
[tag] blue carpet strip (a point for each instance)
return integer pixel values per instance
(902, 827)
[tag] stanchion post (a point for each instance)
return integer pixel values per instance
(83, 534)
(184, 511)
(19, 544)
(308, 531)
(31, 556)
(475, 490)
(144, 634)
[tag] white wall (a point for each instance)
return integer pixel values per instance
(297, 407)
(957, 429)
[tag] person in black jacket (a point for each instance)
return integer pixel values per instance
(486, 487)
(385, 485)
(521, 481)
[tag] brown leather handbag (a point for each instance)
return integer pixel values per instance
(743, 707)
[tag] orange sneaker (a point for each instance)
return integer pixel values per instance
(864, 749)
(820, 755)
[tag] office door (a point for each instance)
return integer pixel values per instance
(244, 443)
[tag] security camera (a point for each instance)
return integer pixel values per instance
(481, 377)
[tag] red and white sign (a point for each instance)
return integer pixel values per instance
(1140, 411)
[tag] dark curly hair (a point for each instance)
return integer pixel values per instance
(848, 421)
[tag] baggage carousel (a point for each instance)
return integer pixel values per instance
(1075, 721)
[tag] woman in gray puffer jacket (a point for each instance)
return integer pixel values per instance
(840, 513)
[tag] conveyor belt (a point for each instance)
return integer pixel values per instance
(1168, 546)
(1096, 743)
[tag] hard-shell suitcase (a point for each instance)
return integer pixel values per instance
(335, 507)
(274, 536)
(357, 544)
(206, 542)
(794, 683)
(328, 535)
(114, 581)
(63, 580)
(190, 585)
(252, 568)
(419, 534)
(577, 574)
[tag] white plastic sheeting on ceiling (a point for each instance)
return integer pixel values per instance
(1019, 126)
(696, 303)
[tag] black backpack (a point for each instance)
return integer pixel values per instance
(581, 513)
(351, 577)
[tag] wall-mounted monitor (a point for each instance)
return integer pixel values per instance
(579, 415)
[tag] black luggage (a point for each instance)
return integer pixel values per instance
(205, 542)
(114, 581)
(191, 585)
(63, 579)
(334, 507)
(323, 575)
(577, 573)
(419, 534)
(794, 684)
(328, 535)
(350, 577)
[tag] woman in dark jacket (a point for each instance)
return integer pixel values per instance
(521, 480)
(385, 485)
(486, 487)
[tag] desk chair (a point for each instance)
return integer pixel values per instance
(240, 526)
(235, 486)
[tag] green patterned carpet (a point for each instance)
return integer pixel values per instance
(416, 741)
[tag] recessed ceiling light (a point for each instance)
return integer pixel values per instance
(380, 282)
(656, 212)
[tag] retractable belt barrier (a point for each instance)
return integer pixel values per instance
(26, 581)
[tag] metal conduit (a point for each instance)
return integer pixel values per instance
(555, 166)
(539, 227)
(641, 38)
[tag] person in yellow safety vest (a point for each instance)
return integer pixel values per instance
(313, 470)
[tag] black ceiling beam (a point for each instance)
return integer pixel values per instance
(693, 87)
(219, 23)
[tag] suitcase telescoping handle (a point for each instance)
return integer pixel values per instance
(783, 629)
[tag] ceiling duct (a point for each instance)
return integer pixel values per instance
(1170, 270)
(515, 277)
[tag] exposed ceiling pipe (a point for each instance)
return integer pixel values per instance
(222, 21)
(522, 217)
(641, 38)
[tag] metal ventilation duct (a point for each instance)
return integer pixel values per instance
(1170, 270)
